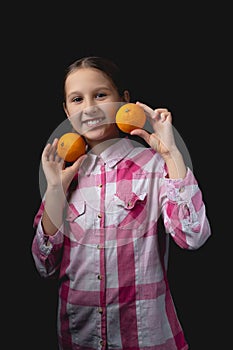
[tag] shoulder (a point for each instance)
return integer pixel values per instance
(147, 158)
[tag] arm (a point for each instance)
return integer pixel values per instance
(162, 140)
(48, 241)
(184, 211)
(181, 200)
(46, 249)
(58, 180)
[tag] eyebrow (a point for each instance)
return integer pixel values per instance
(75, 93)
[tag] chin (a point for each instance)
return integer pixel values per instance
(98, 134)
(95, 135)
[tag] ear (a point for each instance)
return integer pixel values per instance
(65, 110)
(126, 96)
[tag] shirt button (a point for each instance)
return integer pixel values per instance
(101, 342)
(99, 277)
(181, 189)
(100, 185)
(100, 310)
(99, 216)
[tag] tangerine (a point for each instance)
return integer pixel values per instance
(130, 116)
(71, 146)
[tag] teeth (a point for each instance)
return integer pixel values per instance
(93, 122)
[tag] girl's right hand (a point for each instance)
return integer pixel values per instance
(54, 167)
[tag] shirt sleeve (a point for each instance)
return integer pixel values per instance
(46, 250)
(184, 211)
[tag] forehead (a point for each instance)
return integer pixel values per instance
(83, 78)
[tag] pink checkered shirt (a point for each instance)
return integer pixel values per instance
(111, 256)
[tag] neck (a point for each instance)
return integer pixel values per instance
(98, 148)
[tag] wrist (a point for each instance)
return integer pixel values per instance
(175, 164)
(171, 155)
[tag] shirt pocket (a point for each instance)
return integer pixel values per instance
(76, 219)
(129, 210)
(82, 222)
(75, 211)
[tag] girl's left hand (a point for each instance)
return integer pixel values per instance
(162, 139)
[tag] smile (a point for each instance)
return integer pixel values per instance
(93, 122)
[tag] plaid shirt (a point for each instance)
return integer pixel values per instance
(110, 255)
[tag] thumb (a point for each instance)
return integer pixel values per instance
(141, 133)
(76, 165)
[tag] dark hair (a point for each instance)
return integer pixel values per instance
(106, 66)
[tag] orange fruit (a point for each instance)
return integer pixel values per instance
(71, 146)
(130, 116)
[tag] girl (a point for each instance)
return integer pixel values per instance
(98, 224)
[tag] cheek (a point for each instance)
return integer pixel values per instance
(75, 120)
(110, 110)
(73, 110)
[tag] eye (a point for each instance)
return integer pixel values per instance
(77, 99)
(100, 95)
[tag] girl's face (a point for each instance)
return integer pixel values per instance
(91, 105)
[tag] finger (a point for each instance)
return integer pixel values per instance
(76, 165)
(165, 116)
(142, 133)
(58, 159)
(148, 110)
(55, 142)
(160, 110)
(46, 152)
(52, 150)
(156, 116)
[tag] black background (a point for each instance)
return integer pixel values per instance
(174, 57)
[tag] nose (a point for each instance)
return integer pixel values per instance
(90, 108)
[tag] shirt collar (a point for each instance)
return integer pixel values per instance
(111, 156)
